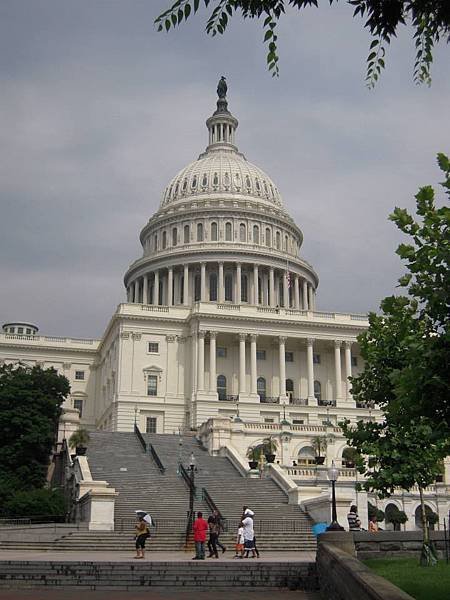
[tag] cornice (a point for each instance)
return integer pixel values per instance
(41, 347)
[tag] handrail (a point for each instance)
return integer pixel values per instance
(156, 458)
(140, 438)
(187, 480)
(210, 502)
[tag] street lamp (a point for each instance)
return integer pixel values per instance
(192, 463)
(284, 421)
(135, 415)
(333, 474)
(237, 418)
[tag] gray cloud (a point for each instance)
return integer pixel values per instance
(98, 111)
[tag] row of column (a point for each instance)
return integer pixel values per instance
(282, 365)
(302, 296)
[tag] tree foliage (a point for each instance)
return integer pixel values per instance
(30, 406)
(430, 21)
(406, 350)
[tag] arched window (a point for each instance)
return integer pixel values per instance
(194, 182)
(213, 287)
(278, 240)
(244, 288)
(268, 236)
(261, 388)
(164, 240)
(318, 391)
(306, 456)
(214, 232)
(285, 242)
(199, 232)
(229, 287)
(228, 232)
(255, 234)
(186, 234)
(222, 387)
(184, 184)
(197, 287)
(155, 242)
(174, 236)
(205, 180)
(289, 388)
(242, 232)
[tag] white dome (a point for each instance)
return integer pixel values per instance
(224, 172)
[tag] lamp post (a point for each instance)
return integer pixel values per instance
(333, 474)
(192, 463)
(237, 418)
(135, 415)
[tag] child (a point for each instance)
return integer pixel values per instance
(240, 542)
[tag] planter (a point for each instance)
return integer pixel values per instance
(270, 458)
(319, 460)
(253, 464)
(80, 450)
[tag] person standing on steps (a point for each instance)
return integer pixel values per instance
(251, 514)
(249, 533)
(213, 536)
(219, 523)
(200, 527)
(142, 534)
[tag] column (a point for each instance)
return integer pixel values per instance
(145, 290)
(271, 288)
(348, 369)
(310, 367)
(253, 369)
(156, 289)
(305, 295)
(242, 337)
(337, 368)
(237, 300)
(212, 362)
(201, 362)
(186, 285)
(203, 282)
(221, 295)
(282, 349)
(285, 290)
(170, 286)
(255, 284)
(136, 291)
(296, 292)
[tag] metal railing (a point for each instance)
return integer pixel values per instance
(269, 400)
(299, 401)
(137, 431)
(187, 480)
(33, 520)
(156, 458)
(127, 524)
(210, 502)
(229, 398)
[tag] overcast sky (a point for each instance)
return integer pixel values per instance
(98, 111)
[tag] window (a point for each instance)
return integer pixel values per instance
(222, 387)
(78, 405)
(150, 426)
(194, 182)
(186, 234)
(260, 355)
(267, 420)
(354, 361)
(164, 240)
(197, 287)
(214, 232)
(155, 242)
(153, 347)
(318, 391)
(306, 456)
(242, 233)
(316, 359)
(228, 232)
(29, 332)
(298, 421)
(174, 236)
(278, 240)
(255, 234)
(79, 375)
(152, 385)
(289, 388)
(268, 237)
(20, 330)
(213, 287)
(289, 356)
(222, 352)
(199, 232)
(229, 287)
(244, 288)
(261, 388)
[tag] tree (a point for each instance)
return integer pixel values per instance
(30, 406)
(430, 20)
(406, 350)
(373, 511)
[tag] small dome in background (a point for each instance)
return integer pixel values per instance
(20, 328)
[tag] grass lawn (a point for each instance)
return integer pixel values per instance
(422, 583)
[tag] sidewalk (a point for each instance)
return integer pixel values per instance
(231, 594)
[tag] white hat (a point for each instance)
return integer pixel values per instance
(249, 512)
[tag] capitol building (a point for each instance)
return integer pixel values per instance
(221, 332)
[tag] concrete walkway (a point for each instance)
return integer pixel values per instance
(49, 594)
(156, 557)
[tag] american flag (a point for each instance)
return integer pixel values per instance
(288, 275)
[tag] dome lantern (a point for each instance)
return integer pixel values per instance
(222, 124)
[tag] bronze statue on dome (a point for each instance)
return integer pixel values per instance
(222, 88)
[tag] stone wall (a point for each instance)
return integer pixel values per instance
(394, 543)
(342, 577)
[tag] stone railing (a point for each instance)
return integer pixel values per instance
(303, 428)
(47, 339)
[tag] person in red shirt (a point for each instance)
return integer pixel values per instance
(200, 528)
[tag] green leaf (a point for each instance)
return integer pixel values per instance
(187, 11)
(268, 35)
